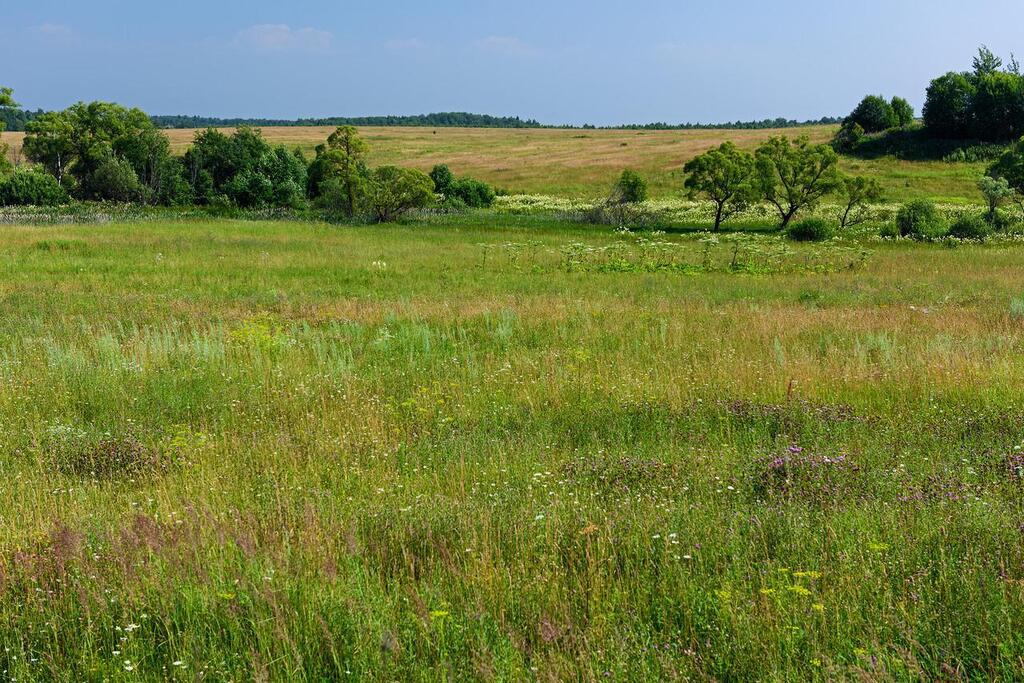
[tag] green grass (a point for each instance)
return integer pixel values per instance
(290, 451)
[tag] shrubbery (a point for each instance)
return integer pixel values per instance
(630, 188)
(461, 192)
(970, 227)
(811, 230)
(31, 188)
(920, 219)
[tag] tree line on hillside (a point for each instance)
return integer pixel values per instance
(106, 152)
(985, 104)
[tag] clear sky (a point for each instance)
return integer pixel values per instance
(559, 61)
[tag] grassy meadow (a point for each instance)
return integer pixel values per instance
(496, 447)
(585, 163)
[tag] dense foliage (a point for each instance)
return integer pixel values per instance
(27, 187)
(461, 192)
(245, 169)
(811, 230)
(920, 220)
(984, 104)
(75, 144)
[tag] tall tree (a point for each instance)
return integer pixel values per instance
(795, 175)
(343, 161)
(724, 176)
(859, 193)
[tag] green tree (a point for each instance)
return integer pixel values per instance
(6, 102)
(996, 191)
(443, 179)
(724, 176)
(997, 107)
(50, 143)
(947, 107)
(85, 136)
(794, 175)
(859, 193)
(1011, 166)
(344, 160)
(986, 62)
(873, 114)
(903, 111)
(393, 191)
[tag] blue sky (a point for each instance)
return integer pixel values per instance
(560, 61)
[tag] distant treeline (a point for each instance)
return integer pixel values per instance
(439, 120)
(16, 119)
(736, 125)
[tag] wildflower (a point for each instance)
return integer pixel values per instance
(878, 547)
(799, 590)
(818, 607)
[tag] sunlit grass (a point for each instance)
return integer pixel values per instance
(293, 451)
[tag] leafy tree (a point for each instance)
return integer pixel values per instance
(725, 176)
(986, 62)
(86, 136)
(996, 191)
(947, 107)
(50, 143)
(903, 111)
(1011, 166)
(859, 193)
(630, 188)
(873, 114)
(794, 175)
(997, 107)
(344, 160)
(443, 179)
(393, 192)
(6, 102)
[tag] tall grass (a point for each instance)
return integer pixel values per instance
(281, 451)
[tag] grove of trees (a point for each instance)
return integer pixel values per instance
(986, 103)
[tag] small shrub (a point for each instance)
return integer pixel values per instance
(811, 230)
(629, 189)
(970, 228)
(1017, 308)
(31, 188)
(473, 193)
(920, 220)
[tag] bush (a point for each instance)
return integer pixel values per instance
(473, 193)
(970, 228)
(443, 179)
(920, 220)
(811, 230)
(115, 180)
(629, 189)
(31, 188)
(848, 138)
